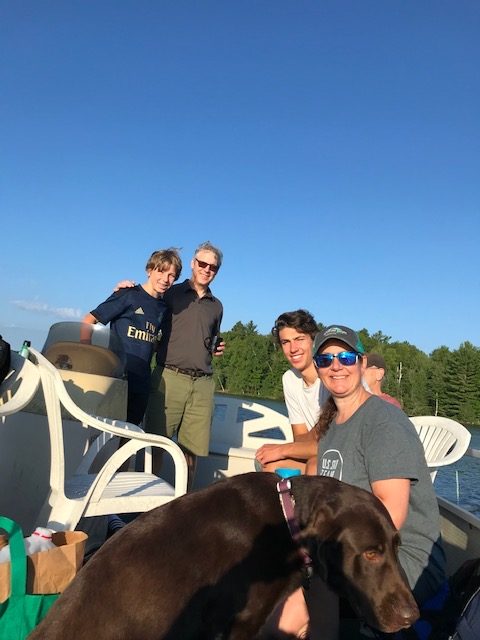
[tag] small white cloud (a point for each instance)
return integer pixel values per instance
(42, 307)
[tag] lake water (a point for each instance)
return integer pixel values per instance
(459, 482)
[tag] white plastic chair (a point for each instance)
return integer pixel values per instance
(444, 440)
(107, 491)
(19, 386)
(239, 428)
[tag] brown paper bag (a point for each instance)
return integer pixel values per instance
(49, 571)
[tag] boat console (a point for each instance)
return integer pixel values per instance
(92, 363)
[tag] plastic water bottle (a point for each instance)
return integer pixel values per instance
(40, 540)
(24, 351)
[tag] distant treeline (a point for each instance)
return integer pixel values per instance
(445, 383)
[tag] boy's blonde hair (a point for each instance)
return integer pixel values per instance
(163, 258)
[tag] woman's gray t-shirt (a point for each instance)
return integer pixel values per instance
(378, 443)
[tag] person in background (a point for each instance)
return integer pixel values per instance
(295, 332)
(374, 376)
(371, 444)
(135, 314)
(181, 396)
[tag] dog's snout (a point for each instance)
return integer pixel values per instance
(408, 615)
(399, 611)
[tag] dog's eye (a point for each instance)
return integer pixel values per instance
(372, 555)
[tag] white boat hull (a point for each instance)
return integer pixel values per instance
(240, 427)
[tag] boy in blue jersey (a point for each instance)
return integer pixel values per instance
(135, 315)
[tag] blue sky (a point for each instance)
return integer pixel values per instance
(330, 148)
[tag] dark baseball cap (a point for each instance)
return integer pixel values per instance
(341, 333)
(376, 360)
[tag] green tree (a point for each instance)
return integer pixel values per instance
(444, 383)
(247, 365)
(462, 379)
(436, 384)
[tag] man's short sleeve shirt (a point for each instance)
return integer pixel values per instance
(189, 327)
(303, 402)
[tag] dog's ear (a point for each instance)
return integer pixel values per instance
(320, 536)
(320, 518)
(320, 561)
(326, 554)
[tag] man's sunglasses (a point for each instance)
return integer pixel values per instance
(345, 358)
(204, 265)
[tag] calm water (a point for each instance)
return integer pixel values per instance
(459, 482)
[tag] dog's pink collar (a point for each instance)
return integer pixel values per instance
(288, 507)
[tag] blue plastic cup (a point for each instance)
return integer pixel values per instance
(285, 472)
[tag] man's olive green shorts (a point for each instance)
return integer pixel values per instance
(182, 406)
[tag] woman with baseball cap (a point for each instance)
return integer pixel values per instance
(372, 444)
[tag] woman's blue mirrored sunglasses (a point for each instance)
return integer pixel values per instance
(345, 358)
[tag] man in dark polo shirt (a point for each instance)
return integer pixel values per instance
(181, 396)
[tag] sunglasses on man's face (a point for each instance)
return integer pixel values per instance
(204, 265)
(345, 358)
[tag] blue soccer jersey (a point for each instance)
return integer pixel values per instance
(135, 316)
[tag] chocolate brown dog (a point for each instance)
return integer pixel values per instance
(214, 563)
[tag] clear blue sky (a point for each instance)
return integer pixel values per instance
(330, 148)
